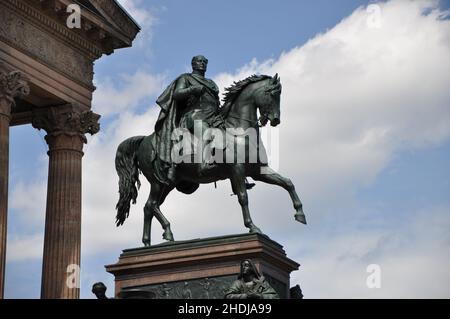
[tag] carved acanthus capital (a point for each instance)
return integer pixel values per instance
(70, 120)
(12, 85)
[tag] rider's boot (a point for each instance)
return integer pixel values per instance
(249, 185)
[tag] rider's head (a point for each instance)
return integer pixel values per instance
(199, 63)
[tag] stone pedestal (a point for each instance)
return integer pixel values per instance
(200, 268)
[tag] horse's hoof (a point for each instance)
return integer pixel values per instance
(168, 236)
(300, 217)
(146, 243)
(255, 230)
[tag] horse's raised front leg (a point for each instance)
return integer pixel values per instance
(238, 186)
(272, 177)
(157, 193)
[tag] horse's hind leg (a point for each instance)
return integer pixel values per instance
(151, 209)
(157, 194)
(271, 177)
(238, 186)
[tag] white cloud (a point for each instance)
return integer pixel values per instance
(144, 17)
(352, 97)
(137, 88)
(139, 13)
(413, 256)
(25, 247)
(29, 202)
(355, 95)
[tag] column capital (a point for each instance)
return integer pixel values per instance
(12, 85)
(66, 124)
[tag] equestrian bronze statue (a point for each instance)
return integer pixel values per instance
(197, 142)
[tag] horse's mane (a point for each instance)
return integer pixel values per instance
(236, 88)
(233, 91)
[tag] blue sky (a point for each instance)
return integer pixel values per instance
(364, 136)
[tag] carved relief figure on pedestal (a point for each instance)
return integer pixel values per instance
(250, 284)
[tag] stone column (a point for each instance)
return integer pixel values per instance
(66, 127)
(11, 85)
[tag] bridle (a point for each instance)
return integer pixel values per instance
(253, 123)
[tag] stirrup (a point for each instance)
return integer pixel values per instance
(249, 185)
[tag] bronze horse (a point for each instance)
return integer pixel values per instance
(243, 99)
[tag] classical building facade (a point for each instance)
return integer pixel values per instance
(46, 73)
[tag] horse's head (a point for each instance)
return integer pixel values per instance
(268, 101)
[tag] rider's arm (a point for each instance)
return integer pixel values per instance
(183, 91)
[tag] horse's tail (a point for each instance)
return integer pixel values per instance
(128, 171)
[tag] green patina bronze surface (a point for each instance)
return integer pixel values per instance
(190, 99)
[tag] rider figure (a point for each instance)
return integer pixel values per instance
(191, 97)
